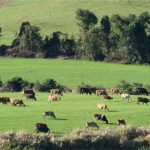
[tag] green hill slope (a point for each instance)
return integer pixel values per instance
(53, 15)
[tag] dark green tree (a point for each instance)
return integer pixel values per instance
(28, 38)
(86, 19)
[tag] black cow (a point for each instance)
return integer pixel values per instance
(85, 90)
(41, 127)
(4, 100)
(121, 122)
(142, 100)
(30, 96)
(140, 91)
(101, 117)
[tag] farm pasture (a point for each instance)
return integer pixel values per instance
(73, 111)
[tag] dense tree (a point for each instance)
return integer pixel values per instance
(59, 44)
(28, 38)
(86, 19)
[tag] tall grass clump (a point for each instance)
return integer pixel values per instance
(123, 138)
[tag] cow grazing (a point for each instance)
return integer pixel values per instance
(4, 100)
(121, 122)
(92, 124)
(107, 97)
(126, 96)
(16, 102)
(142, 100)
(101, 92)
(30, 96)
(50, 114)
(56, 91)
(85, 90)
(41, 127)
(115, 91)
(53, 98)
(101, 117)
(140, 91)
(102, 106)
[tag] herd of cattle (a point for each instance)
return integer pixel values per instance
(56, 96)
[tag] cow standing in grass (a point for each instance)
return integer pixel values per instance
(126, 96)
(4, 100)
(142, 100)
(53, 98)
(29, 93)
(102, 106)
(41, 127)
(56, 91)
(100, 117)
(16, 102)
(50, 114)
(92, 124)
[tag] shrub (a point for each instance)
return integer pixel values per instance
(16, 84)
(1, 83)
(46, 85)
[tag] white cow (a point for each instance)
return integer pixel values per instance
(126, 96)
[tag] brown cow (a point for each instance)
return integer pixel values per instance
(107, 97)
(17, 102)
(4, 100)
(28, 91)
(101, 92)
(115, 91)
(53, 98)
(102, 106)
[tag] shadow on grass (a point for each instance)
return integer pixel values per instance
(113, 111)
(112, 123)
(60, 119)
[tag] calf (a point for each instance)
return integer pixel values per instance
(4, 100)
(53, 98)
(126, 96)
(121, 122)
(30, 96)
(41, 127)
(50, 114)
(91, 124)
(100, 117)
(102, 106)
(107, 97)
(142, 100)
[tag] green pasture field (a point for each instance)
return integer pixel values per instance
(74, 109)
(73, 72)
(54, 15)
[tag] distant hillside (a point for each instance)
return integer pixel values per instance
(53, 15)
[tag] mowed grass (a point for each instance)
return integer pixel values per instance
(72, 72)
(54, 15)
(72, 111)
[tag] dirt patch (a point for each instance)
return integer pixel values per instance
(5, 2)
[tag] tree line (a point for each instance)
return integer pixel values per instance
(123, 39)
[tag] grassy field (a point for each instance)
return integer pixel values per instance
(54, 15)
(74, 109)
(72, 112)
(72, 73)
